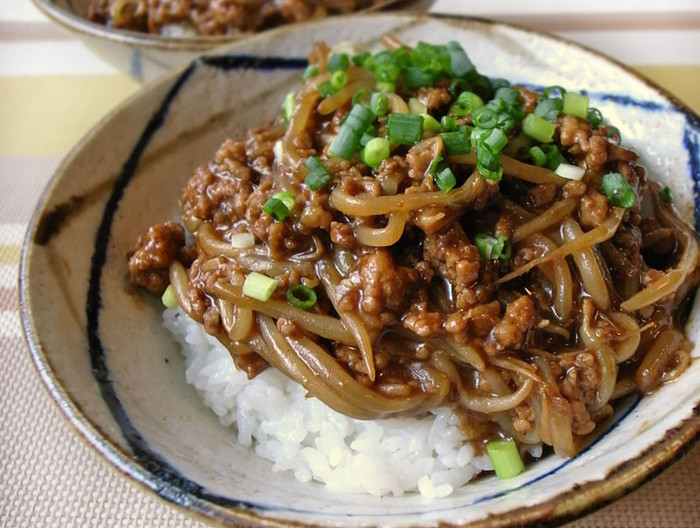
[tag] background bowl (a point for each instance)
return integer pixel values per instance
(114, 371)
(143, 56)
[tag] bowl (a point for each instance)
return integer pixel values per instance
(143, 56)
(114, 371)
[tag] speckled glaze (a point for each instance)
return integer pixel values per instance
(101, 351)
(144, 56)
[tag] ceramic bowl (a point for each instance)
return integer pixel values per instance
(107, 361)
(143, 56)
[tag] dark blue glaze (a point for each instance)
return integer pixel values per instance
(160, 476)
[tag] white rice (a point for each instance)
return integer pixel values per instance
(273, 415)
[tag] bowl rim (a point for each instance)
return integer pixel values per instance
(586, 498)
(73, 22)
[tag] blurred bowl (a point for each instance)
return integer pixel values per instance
(118, 376)
(144, 56)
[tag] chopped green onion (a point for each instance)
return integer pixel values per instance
(325, 89)
(347, 141)
(415, 77)
(311, 71)
(405, 129)
(445, 180)
(448, 123)
(383, 86)
(259, 286)
(460, 65)
(665, 195)
(361, 57)
(466, 103)
(430, 123)
(319, 175)
(301, 296)
(485, 117)
(548, 109)
(490, 174)
(618, 190)
(368, 136)
(537, 155)
(547, 91)
(538, 128)
(570, 172)
(456, 142)
(554, 157)
(242, 240)
(614, 133)
(288, 106)
(279, 205)
(493, 248)
(486, 157)
(594, 116)
(416, 106)
(575, 105)
(376, 150)
(339, 79)
(379, 104)
(435, 164)
(510, 95)
(168, 298)
(497, 83)
(505, 458)
(337, 62)
(362, 96)
(495, 140)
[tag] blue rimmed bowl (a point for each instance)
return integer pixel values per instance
(111, 367)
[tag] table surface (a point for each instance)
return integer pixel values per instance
(53, 90)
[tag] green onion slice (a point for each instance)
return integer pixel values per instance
(415, 77)
(618, 190)
(168, 298)
(416, 106)
(445, 180)
(505, 458)
(575, 104)
(538, 128)
(311, 71)
(493, 248)
(448, 123)
(376, 150)
(456, 142)
(537, 155)
(485, 117)
(548, 109)
(339, 79)
(337, 62)
(288, 106)
(614, 133)
(495, 140)
(379, 104)
(430, 123)
(665, 195)
(259, 286)
(405, 129)
(594, 116)
(319, 175)
(460, 65)
(301, 296)
(554, 88)
(279, 205)
(347, 141)
(325, 89)
(466, 103)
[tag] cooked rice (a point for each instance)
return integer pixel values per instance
(275, 416)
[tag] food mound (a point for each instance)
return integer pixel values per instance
(409, 234)
(213, 17)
